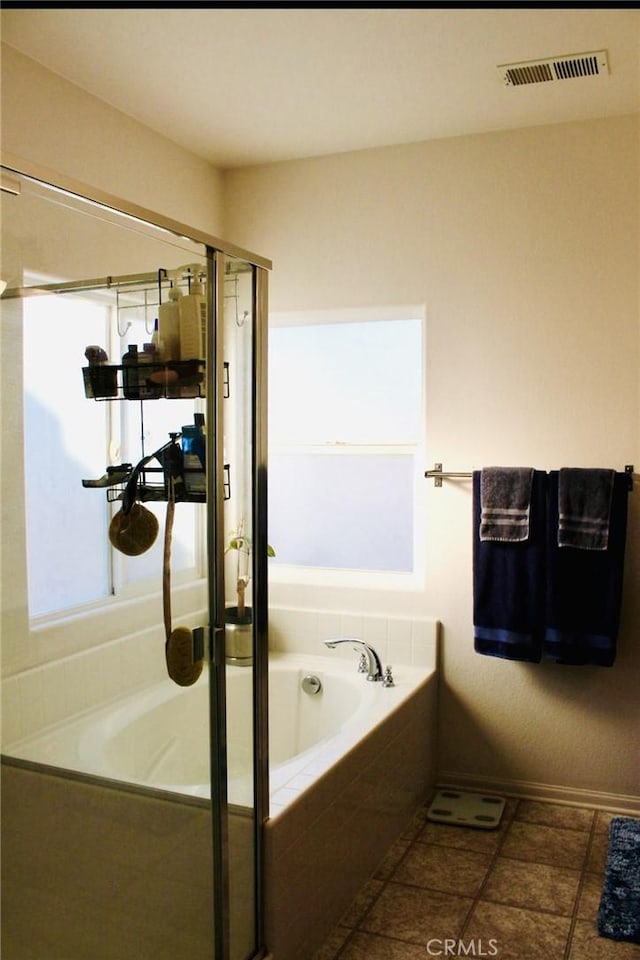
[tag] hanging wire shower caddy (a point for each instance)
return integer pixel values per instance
(138, 297)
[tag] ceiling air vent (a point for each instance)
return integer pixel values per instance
(570, 67)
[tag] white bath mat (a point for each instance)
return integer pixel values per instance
(466, 809)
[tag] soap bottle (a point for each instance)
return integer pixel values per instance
(169, 325)
(158, 346)
(149, 389)
(130, 376)
(193, 322)
(194, 458)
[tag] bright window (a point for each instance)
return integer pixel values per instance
(345, 431)
(69, 438)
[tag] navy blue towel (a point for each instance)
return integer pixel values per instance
(508, 583)
(584, 587)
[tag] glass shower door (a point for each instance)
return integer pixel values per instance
(118, 816)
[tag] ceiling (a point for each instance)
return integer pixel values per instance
(242, 86)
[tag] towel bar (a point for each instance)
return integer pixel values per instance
(438, 475)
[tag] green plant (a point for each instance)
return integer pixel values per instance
(243, 545)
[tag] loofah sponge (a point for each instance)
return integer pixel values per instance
(181, 666)
(178, 648)
(133, 532)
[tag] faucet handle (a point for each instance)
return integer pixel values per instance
(363, 665)
(388, 680)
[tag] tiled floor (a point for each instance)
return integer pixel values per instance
(529, 890)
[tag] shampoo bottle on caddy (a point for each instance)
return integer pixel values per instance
(193, 322)
(169, 325)
(194, 458)
(130, 376)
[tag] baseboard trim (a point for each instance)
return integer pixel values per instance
(529, 790)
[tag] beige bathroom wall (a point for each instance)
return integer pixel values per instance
(523, 247)
(48, 120)
(52, 123)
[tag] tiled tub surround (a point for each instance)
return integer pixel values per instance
(324, 844)
(332, 818)
(87, 661)
(157, 736)
(397, 640)
(529, 890)
(76, 681)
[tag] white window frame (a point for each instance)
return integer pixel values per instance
(386, 580)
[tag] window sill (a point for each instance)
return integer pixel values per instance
(53, 636)
(379, 580)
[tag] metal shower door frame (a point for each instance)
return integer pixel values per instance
(216, 252)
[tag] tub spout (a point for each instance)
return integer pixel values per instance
(374, 667)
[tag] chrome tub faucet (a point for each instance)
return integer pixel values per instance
(373, 665)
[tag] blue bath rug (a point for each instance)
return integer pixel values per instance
(619, 912)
